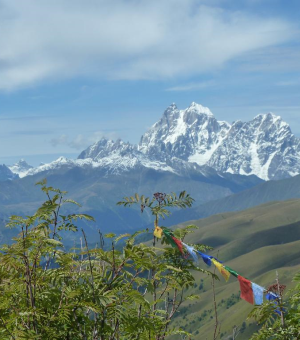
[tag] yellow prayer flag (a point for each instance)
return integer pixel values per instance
(221, 269)
(158, 232)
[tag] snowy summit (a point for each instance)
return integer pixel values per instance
(264, 146)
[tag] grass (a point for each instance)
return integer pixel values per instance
(255, 242)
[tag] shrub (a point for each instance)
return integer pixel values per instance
(48, 292)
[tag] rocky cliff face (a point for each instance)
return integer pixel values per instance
(264, 147)
(192, 134)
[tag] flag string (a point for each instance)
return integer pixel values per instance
(250, 291)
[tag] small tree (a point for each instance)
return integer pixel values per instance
(51, 293)
(269, 315)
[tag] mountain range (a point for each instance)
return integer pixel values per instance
(264, 147)
(98, 192)
(191, 150)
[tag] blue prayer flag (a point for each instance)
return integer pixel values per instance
(258, 293)
(207, 258)
(271, 296)
(191, 251)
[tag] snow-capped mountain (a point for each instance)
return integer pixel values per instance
(112, 157)
(106, 148)
(193, 140)
(264, 147)
(120, 156)
(192, 134)
(62, 163)
(20, 168)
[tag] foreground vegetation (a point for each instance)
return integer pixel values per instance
(51, 293)
(130, 291)
(275, 327)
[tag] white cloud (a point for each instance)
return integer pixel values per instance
(80, 141)
(43, 40)
(60, 140)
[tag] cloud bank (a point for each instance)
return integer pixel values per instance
(42, 40)
(80, 141)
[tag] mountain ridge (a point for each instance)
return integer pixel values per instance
(264, 146)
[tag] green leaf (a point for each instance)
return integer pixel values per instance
(193, 297)
(42, 182)
(110, 235)
(120, 237)
(178, 270)
(81, 216)
(54, 242)
(71, 201)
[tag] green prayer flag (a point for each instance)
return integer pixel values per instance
(231, 271)
(168, 234)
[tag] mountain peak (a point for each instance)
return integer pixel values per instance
(107, 147)
(263, 146)
(268, 115)
(173, 106)
(200, 109)
(61, 159)
(190, 134)
(20, 168)
(171, 111)
(266, 120)
(23, 163)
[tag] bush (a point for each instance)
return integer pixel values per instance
(48, 292)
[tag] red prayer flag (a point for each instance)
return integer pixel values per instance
(178, 243)
(246, 289)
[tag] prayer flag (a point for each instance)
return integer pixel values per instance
(168, 235)
(271, 296)
(173, 240)
(205, 258)
(158, 232)
(231, 271)
(221, 269)
(246, 289)
(178, 243)
(258, 293)
(191, 251)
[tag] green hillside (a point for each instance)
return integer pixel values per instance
(266, 192)
(255, 242)
(99, 192)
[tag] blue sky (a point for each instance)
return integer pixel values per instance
(74, 71)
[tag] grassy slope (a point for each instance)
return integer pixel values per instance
(266, 192)
(255, 242)
(98, 194)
